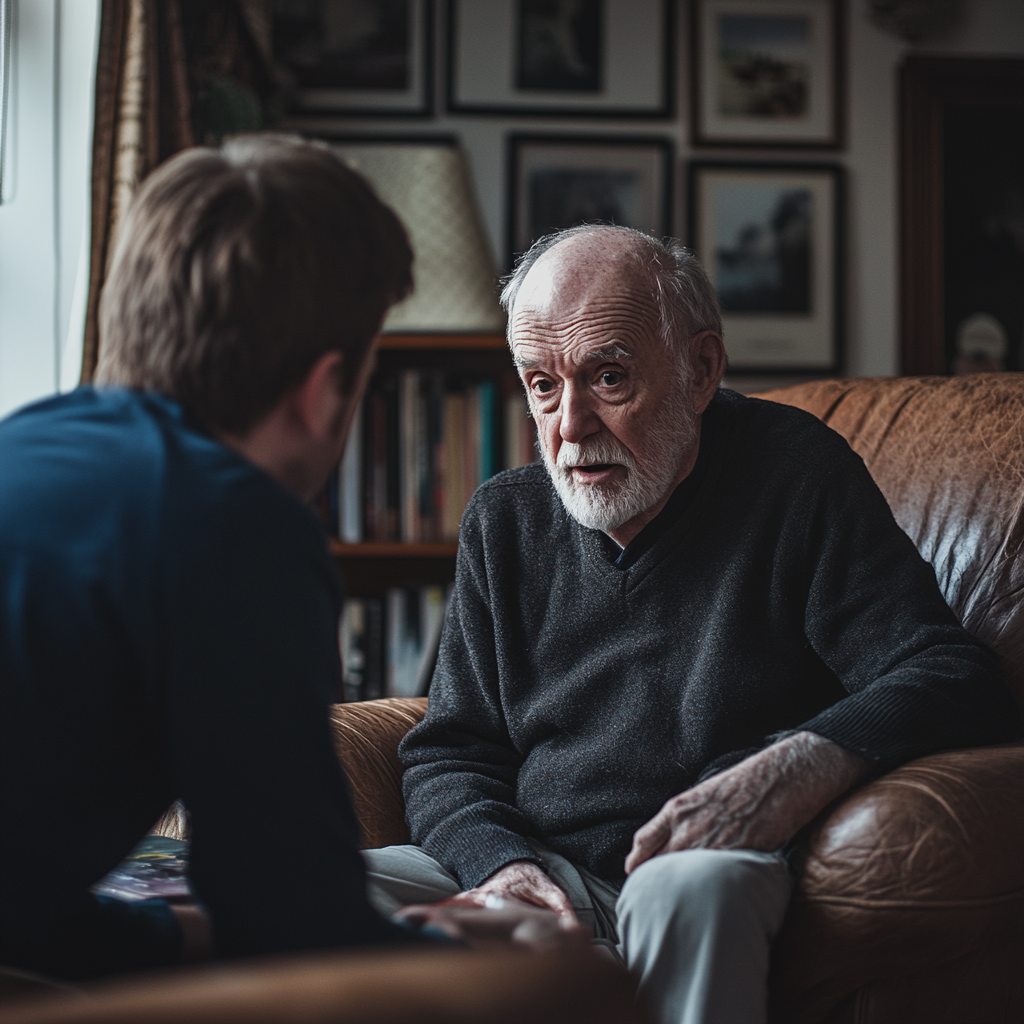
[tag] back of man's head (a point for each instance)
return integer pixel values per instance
(238, 268)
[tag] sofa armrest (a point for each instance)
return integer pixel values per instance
(383, 986)
(918, 868)
(366, 737)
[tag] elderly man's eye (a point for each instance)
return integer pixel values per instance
(611, 377)
(543, 386)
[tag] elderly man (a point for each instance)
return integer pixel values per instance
(672, 645)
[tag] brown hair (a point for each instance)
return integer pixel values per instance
(237, 268)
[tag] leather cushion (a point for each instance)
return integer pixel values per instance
(920, 867)
(948, 454)
(366, 737)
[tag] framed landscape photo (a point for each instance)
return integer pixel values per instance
(569, 58)
(362, 57)
(767, 73)
(770, 237)
(558, 182)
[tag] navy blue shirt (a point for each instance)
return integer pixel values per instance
(168, 629)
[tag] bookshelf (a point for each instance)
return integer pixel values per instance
(401, 558)
(372, 566)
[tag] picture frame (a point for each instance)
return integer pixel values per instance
(770, 236)
(767, 73)
(518, 57)
(556, 182)
(376, 65)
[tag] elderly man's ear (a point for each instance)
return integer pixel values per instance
(708, 367)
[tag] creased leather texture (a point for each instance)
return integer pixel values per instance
(948, 454)
(919, 868)
(366, 737)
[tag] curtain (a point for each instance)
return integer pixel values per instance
(142, 116)
(170, 73)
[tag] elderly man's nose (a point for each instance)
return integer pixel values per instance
(577, 418)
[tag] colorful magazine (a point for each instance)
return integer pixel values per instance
(156, 869)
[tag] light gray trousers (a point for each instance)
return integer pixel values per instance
(693, 927)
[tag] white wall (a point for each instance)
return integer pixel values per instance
(45, 208)
(993, 27)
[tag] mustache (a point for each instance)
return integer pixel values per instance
(600, 451)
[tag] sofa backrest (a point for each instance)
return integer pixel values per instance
(948, 454)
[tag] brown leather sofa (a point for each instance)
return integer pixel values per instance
(910, 906)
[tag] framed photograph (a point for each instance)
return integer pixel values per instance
(767, 73)
(363, 57)
(558, 182)
(568, 58)
(770, 237)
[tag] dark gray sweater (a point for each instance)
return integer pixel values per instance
(572, 698)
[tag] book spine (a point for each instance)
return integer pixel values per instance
(351, 503)
(392, 461)
(454, 445)
(432, 606)
(394, 626)
(471, 445)
(409, 391)
(352, 642)
(436, 455)
(519, 449)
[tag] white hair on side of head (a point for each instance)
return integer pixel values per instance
(685, 298)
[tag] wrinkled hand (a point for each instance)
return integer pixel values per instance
(521, 880)
(757, 804)
(501, 922)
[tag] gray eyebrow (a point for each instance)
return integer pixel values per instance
(599, 355)
(596, 355)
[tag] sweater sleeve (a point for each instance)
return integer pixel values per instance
(918, 681)
(461, 765)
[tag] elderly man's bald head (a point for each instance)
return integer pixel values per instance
(587, 257)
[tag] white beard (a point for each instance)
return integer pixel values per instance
(648, 474)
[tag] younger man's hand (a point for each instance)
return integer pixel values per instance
(500, 923)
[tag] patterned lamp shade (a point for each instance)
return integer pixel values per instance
(428, 186)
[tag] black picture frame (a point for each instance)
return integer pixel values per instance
(559, 170)
(359, 97)
(789, 94)
(631, 88)
(781, 280)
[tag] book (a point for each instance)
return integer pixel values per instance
(351, 503)
(520, 437)
(352, 642)
(414, 622)
(409, 463)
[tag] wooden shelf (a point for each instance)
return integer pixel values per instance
(394, 550)
(441, 341)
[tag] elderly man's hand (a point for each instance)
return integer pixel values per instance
(521, 880)
(757, 804)
(501, 922)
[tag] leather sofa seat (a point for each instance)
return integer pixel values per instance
(910, 905)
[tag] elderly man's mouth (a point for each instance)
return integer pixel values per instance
(598, 473)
